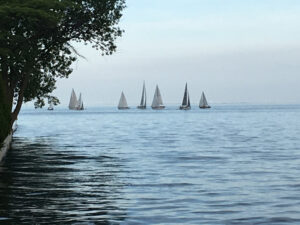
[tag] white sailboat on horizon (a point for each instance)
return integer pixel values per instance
(50, 106)
(75, 104)
(203, 102)
(123, 102)
(80, 103)
(143, 104)
(186, 100)
(73, 101)
(157, 102)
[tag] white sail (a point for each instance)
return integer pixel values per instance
(157, 102)
(50, 106)
(123, 102)
(73, 100)
(203, 102)
(143, 99)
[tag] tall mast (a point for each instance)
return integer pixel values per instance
(145, 102)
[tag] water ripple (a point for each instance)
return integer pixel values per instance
(227, 165)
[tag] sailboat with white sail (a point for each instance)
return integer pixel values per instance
(143, 104)
(123, 102)
(80, 103)
(157, 102)
(203, 102)
(186, 100)
(73, 101)
(75, 104)
(50, 106)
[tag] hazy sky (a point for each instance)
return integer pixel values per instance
(234, 50)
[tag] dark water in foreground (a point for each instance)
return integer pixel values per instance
(227, 165)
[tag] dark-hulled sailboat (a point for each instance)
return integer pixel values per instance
(143, 99)
(186, 105)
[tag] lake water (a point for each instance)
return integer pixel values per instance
(232, 164)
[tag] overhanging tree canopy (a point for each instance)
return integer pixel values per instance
(35, 43)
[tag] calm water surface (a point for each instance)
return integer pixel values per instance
(227, 165)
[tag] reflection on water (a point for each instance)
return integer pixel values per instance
(41, 184)
(227, 165)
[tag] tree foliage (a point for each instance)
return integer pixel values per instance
(36, 39)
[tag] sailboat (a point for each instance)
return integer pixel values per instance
(143, 99)
(50, 106)
(203, 102)
(186, 100)
(123, 102)
(80, 103)
(75, 104)
(73, 101)
(157, 102)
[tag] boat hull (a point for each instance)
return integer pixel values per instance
(76, 109)
(204, 107)
(185, 107)
(159, 107)
(141, 107)
(121, 108)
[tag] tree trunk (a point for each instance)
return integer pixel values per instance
(15, 113)
(5, 124)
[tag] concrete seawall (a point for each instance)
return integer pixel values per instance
(5, 146)
(6, 143)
